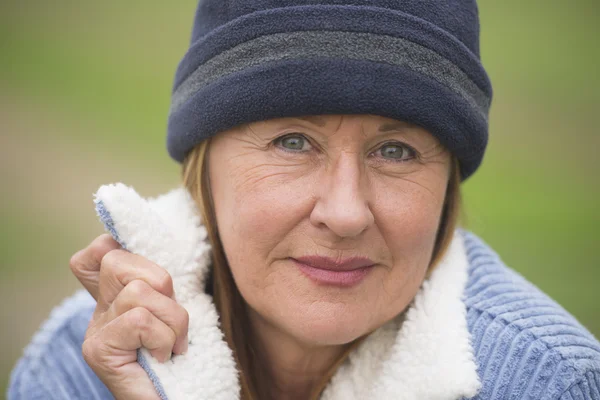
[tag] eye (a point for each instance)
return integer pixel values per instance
(396, 152)
(293, 142)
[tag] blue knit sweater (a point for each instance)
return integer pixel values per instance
(526, 346)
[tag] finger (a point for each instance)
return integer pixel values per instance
(85, 264)
(130, 331)
(139, 294)
(120, 267)
(112, 352)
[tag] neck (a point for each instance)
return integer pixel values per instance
(295, 369)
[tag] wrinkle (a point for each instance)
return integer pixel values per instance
(435, 154)
(263, 172)
(420, 184)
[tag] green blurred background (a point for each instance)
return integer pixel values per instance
(84, 95)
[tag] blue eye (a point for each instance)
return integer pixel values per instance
(396, 152)
(294, 142)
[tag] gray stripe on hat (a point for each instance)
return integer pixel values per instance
(328, 44)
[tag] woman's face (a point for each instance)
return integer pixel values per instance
(328, 222)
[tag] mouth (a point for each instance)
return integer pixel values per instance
(325, 271)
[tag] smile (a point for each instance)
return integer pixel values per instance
(325, 271)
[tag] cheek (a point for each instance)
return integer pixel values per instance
(408, 220)
(407, 210)
(258, 194)
(256, 210)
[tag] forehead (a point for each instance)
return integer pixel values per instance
(382, 124)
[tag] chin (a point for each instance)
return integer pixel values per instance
(326, 324)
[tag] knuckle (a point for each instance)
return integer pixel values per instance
(164, 283)
(102, 245)
(139, 318)
(138, 288)
(76, 262)
(108, 268)
(97, 356)
(88, 350)
(94, 252)
(110, 260)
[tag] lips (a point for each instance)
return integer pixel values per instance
(326, 271)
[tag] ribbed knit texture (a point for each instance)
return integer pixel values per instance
(52, 366)
(526, 345)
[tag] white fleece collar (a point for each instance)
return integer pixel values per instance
(428, 355)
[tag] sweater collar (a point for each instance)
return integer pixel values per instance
(423, 354)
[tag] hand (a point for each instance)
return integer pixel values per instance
(135, 308)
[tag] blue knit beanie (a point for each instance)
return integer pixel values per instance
(411, 60)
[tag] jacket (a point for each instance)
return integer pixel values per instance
(476, 329)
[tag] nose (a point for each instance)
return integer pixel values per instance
(342, 204)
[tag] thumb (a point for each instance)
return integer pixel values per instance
(85, 264)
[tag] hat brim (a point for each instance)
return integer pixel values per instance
(316, 86)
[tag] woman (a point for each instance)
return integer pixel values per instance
(313, 251)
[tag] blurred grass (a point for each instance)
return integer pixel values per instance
(84, 95)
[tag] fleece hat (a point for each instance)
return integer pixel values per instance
(411, 60)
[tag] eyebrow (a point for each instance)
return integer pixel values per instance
(314, 120)
(393, 126)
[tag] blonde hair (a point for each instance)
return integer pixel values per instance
(229, 302)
